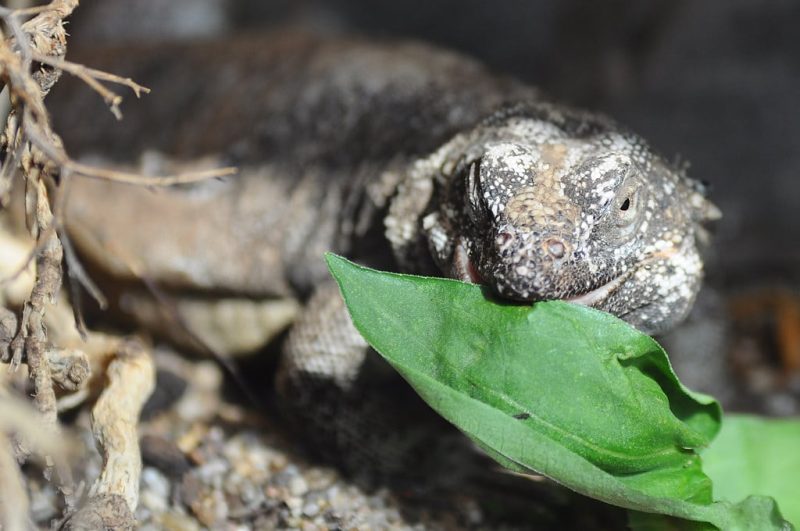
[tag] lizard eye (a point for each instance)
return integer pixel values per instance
(627, 211)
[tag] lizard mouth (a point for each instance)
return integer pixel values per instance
(600, 293)
(465, 271)
(463, 268)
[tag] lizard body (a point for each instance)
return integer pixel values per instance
(399, 156)
(313, 125)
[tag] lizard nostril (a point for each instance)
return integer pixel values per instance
(555, 247)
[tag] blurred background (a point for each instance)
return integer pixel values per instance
(713, 84)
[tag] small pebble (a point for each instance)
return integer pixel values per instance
(310, 510)
(156, 482)
(298, 486)
(295, 506)
(164, 455)
(173, 521)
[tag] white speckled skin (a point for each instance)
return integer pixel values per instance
(543, 203)
(381, 152)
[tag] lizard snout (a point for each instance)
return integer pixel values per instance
(528, 266)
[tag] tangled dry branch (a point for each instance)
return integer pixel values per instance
(32, 50)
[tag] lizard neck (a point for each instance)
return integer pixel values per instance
(410, 227)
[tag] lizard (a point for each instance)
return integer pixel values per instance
(398, 155)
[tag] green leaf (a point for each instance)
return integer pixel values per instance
(752, 455)
(558, 389)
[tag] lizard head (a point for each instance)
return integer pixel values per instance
(547, 204)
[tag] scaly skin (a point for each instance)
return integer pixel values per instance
(399, 156)
(544, 202)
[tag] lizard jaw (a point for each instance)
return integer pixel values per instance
(464, 270)
(599, 294)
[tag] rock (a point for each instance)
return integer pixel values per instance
(164, 455)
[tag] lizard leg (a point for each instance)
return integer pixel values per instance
(361, 416)
(357, 411)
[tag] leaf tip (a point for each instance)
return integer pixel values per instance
(334, 263)
(340, 269)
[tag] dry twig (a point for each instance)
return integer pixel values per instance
(114, 419)
(29, 89)
(31, 61)
(92, 77)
